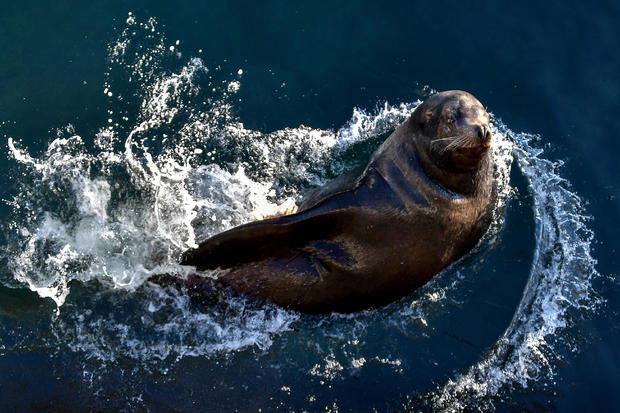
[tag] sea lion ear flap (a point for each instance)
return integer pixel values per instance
(428, 114)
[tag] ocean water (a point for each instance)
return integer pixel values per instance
(131, 131)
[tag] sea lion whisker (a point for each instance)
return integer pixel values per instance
(452, 138)
(465, 142)
(456, 143)
(436, 142)
(439, 140)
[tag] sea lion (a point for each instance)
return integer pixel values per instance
(375, 234)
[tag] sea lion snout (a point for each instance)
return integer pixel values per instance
(484, 135)
(471, 152)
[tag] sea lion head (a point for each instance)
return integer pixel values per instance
(453, 130)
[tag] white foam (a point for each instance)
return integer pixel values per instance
(126, 212)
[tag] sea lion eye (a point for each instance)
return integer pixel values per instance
(449, 123)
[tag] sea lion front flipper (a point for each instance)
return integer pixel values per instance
(275, 237)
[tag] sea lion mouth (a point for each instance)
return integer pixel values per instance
(475, 152)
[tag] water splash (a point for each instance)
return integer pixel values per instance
(174, 166)
(185, 169)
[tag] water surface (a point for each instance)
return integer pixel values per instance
(129, 137)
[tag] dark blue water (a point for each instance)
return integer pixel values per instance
(548, 69)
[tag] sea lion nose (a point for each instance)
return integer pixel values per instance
(484, 133)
